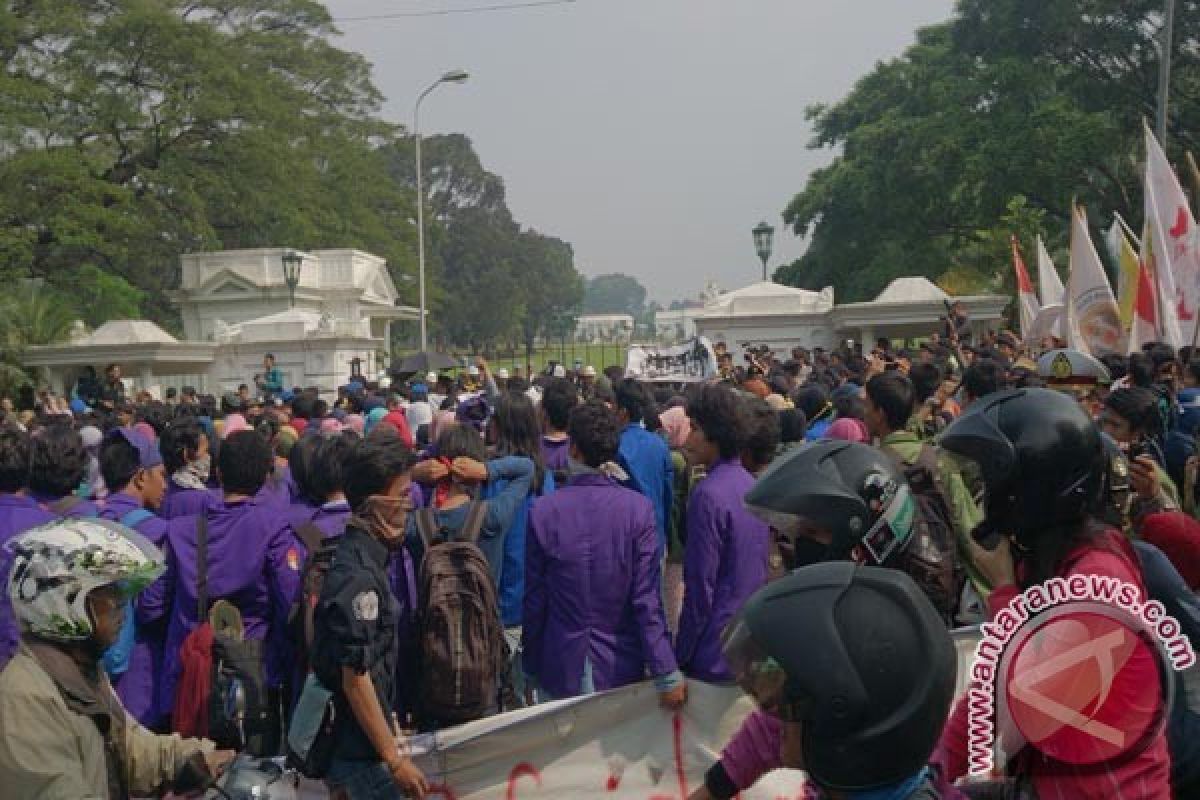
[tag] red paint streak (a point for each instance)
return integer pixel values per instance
(441, 790)
(519, 771)
(677, 736)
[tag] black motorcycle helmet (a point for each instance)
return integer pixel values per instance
(853, 491)
(1041, 458)
(859, 657)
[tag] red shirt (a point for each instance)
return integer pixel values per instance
(1142, 777)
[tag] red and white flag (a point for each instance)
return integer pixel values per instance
(1172, 230)
(1145, 306)
(1027, 299)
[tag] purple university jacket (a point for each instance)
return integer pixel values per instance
(17, 514)
(137, 685)
(254, 562)
(181, 502)
(724, 562)
(592, 589)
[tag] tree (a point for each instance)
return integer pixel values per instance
(141, 129)
(478, 256)
(1010, 101)
(31, 314)
(552, 287)
(614, 294)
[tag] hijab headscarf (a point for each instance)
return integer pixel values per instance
(677, 426)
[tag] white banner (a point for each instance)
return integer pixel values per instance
(618, 745)
(694, 360)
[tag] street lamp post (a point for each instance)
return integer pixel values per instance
(763, 235)
(292, 264)
(454, 76)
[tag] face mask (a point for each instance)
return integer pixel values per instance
(202, 467)
(385, 517)
(194, 475)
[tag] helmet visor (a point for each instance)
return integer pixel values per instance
(757, 673)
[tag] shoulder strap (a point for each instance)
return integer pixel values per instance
(65, 504)
(426, 525)
(473, 524)
(201, 568)
(311, 536)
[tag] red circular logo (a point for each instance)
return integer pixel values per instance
(1084, 686)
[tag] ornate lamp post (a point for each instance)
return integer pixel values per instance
(763, 236)
(292, 263)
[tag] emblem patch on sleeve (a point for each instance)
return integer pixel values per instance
(366, 606)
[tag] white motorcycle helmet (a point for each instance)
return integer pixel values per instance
(55, 567)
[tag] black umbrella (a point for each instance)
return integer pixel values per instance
(423, 362)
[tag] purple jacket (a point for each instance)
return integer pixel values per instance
(17, 514)
(592, 588)
(137, 685)
(254, 561)
(279, 489)
(724, 562)
(755, 750)
(555, 454)
(181, 502)
(330, 518)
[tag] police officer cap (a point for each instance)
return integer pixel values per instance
(1071, 368)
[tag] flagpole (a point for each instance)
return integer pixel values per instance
(1195, 174)
(1134, 239)
(1164, 73)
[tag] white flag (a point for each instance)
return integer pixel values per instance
(1170, 222)
(1093, 319)
(1049, 283)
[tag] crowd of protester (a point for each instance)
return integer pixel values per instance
(810, 525)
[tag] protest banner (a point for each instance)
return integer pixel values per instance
(617, 745)
(694, 360)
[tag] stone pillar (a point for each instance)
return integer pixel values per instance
(145, 375)
(866, 337)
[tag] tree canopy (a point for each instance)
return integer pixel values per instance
(132, 131)
(614, 294)
(989, 125)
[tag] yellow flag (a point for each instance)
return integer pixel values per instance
(1125, 254)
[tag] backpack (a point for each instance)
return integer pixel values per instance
(930, 557)
(116, 658)
(312, 579)
(463, 671)
(222, 694)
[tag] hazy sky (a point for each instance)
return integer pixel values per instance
(651, 134)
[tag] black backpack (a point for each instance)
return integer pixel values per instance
(463, 671)
(302, 621)
(240, 713)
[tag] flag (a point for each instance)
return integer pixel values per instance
(1172, 230)
(1027, 301)
(1093, 320)
(1145, 311)
(1128, 268)
(1049, 283)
